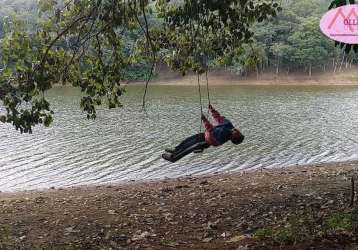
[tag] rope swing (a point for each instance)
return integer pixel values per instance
(201, 102)
(201, 98)
(207, 86)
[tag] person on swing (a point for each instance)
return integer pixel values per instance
(215, 135)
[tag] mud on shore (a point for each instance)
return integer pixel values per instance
(224, 211)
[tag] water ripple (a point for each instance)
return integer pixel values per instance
(283, 126)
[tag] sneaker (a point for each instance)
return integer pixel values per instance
(170, 150)
(167, 157)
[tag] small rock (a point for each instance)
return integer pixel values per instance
(172, 244)
(140, 236)
(225, 234)
(204, 183)
(239, 238)
(69, 230)
(207, 240)
(111, 212)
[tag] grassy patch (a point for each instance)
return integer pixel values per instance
(308, 228)
(342, 222)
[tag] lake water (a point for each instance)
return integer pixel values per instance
(283, 126)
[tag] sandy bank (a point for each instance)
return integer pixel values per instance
(213, 212)
(223, 78)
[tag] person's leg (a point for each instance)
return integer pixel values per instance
(192, 144)
(190, 141)
(187, 143)
(201, 146)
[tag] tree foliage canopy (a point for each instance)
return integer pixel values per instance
(82, 43)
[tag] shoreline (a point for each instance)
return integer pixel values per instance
(173, 179)
(222, 211)
(225, 78)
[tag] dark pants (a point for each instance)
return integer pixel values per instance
(195, 143)
(191, 141)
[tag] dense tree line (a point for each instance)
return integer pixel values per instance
(26, 10)
(289, 42)
(293, 42)
(97, 45)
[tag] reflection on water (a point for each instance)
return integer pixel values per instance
(283, 126)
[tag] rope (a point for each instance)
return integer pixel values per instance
(207, 86)
(152, 48)
(194, 34)
(201, 102)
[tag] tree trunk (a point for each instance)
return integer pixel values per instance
(277, 70)
(310, 70)
(277, 66)
(334, 65)
(340, 67)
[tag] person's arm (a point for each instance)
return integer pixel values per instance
(207, 124)
(216, 115)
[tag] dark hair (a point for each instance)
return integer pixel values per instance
(237, 139)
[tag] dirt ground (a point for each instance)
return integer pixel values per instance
(208, 212)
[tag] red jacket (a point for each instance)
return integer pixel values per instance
(210, 130)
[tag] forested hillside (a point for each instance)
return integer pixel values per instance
(22, 9)
(292, 42)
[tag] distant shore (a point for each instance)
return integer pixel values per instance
(223, 211)
(224, 78)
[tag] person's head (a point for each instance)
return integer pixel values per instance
(236, 136)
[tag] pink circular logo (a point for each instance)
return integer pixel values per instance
(341, 24)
